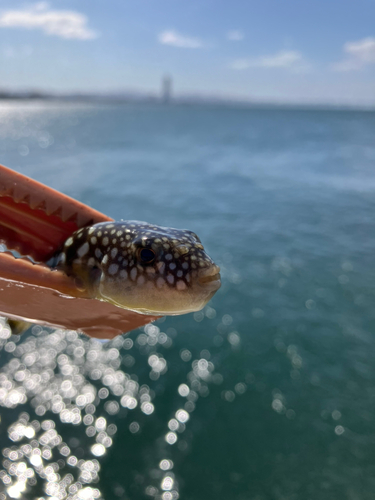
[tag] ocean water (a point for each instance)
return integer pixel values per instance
(269, 393)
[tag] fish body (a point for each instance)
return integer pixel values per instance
(141, 267)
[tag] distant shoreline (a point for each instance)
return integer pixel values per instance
(118, 99)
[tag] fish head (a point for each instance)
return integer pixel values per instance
(142, 267)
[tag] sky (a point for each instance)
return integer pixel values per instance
(292, 51)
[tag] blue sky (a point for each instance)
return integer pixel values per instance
(271, 50)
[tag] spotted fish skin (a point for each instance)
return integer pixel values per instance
(141, 267)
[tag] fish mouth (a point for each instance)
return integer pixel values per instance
(210, 277)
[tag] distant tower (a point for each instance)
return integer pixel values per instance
(166, 89)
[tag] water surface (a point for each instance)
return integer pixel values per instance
(266, 394)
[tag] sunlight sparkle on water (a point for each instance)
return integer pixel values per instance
(68, 379)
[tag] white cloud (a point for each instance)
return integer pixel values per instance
(175, 39)
(62, 23)
(235, 35)
(363, 49)
(287, 59)
(284, 59)
(360, 53)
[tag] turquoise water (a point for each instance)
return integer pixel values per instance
(274, 382)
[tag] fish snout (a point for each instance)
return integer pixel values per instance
(210, 277)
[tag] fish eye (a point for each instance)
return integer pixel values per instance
(146, 255)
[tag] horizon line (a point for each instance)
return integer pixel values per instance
(178, 98)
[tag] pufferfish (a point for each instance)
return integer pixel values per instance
(141, 267)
